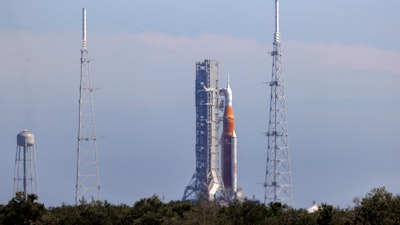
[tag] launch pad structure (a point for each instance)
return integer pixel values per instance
(278, 177)
(206, 180)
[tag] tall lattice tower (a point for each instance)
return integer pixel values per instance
(25, 176)
(87, 177)
(278, 182)
(207, 180)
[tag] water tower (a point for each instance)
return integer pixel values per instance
(25, 179)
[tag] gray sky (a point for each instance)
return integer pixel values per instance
(342, 72)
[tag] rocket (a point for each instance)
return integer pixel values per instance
(228, 145)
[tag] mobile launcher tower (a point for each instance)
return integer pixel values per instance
(206, 181)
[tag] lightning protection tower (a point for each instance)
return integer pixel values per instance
(207, 180)
(25, 178)
(278, 182)
(87, 177)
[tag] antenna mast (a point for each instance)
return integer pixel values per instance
(278, 181)
(87, 177)
(84, 41)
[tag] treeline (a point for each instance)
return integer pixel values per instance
(377, 207)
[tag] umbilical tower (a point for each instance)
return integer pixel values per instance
(206, 180)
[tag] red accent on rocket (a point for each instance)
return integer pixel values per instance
(228, 139)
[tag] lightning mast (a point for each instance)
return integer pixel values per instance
(87, 177)
(278, 181)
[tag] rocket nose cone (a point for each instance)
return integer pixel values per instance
(228, 93)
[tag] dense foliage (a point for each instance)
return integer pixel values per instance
(377, 207)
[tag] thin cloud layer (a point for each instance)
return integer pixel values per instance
(18, 47)
(162, 62)
(343, 56)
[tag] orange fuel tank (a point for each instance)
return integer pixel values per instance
(228, 145)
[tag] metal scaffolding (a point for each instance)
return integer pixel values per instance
(278, 181)
(87, 177)
(206, 181)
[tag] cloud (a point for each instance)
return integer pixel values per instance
(203, 46)
(343, 56)
(160, 66)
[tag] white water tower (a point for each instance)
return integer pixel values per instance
(25, 179)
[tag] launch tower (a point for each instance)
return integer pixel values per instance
(25, 179)
(87, 177)
(278, 182)
(207, 180)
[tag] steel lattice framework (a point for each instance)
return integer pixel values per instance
(278, 182)
(87, 178)
(207, 180)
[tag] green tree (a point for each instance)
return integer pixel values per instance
(378, 207)
(22, 209)
(325, 214)
(145, 211)
(101, 213)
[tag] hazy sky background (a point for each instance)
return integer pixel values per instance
(342, 72)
